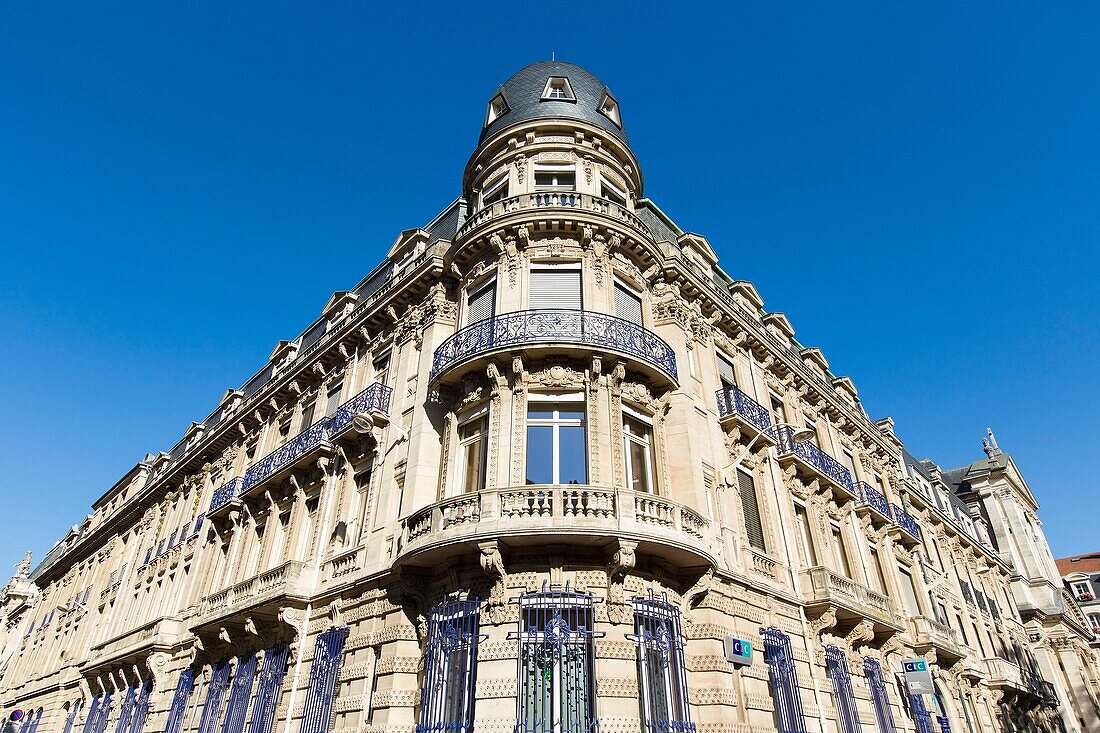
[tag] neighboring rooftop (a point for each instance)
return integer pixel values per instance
(1087, 563)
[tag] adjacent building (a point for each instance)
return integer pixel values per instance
(549, 469)
(1081, 576)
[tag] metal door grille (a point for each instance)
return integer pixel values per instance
(125, 711)
(104, 714)
(872, 670)
(141, 707)
(93, 714)
(328, 653)
(267, 690)
(556, 650)
(836, 664)
(184, 684)
(237, 704)
(215, 693)
(450, 668)
(921, 715)
(781, 671)
(70, 719)
(661, 671)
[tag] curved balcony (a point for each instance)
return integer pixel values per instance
(911, 530)
(577, 515)
(556, 327)
(874, 500)
(928, 633)
(558, 202)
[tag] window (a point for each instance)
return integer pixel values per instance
(909, 591)
(447, 700)
(497, 107)
(875, 572)
(555, 178)
(284, 430)
(1094, 620)
(1080, 588)
(661, 673)
(611, 192)
(779, 411)
(495, 191)
(556, 451)
(558, 89)
(555, 287)
(638, 446)
(789, 717)
(812, 426)
(481, 303)
(556, 686)
(839, 552)
(806, 543)
(473, 443)
(836, 665)
(726, 375)
(328, 654)
(628, 303)
(307, 416)
(609, 108)
(333, 399)
(872, 670)
(750, 508)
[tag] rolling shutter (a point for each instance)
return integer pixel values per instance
(751, 509)
(628, 305)
(481, 304)
(555, 288)
(725, 372)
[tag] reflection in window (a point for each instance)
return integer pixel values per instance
(556, 452)
(638, 446)
(473, 440)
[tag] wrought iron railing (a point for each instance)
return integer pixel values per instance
(874, 498)
(732, 401)
(906, 521)
(522, 328)
(374, 398)
(814, 456)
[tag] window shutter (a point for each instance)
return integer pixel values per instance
(555, 288)
(751, 509)
(725, 372)
(628, 305)
(481, 304)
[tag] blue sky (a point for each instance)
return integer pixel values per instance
(183, 185)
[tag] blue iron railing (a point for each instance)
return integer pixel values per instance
(184, 684)
(374, 398)
(872, 670)
(814, 456)
(874, 498)
(784, 680)
(555, 326)
(450, 668)
(732, 400)
(663, 674)
(836, 665)
(268, 686)
(906, 521)
(328, 656)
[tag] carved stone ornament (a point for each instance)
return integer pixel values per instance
(556, 376)
(622, 560)
(493, 564)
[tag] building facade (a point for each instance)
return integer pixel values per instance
(548, 469)
(1081, 577)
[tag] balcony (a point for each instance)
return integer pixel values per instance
(734, 406)
(815, 463)
(519, 207)
(259, 595)
(160, 634)
(853, 602)
(572, 515)
(553, 327)
(1002, 673)
(374, 400)
(928, 633)
(910, 534)
(874, 500)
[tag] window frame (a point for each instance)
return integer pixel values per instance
(648, 444)
(477, 415)
(556, 423)
(543, 169)
(489, 194)
(560, 83)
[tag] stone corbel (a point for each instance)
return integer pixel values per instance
(695, 593)
(335, 613)
(292, 624)
(622, 561)
(492, 563)
(822, 623)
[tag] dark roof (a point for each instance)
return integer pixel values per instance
(523, 95)
(657, 221)
(445, 225)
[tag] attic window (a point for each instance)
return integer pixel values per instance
(609, 108)
(497, 107)
(557, 88)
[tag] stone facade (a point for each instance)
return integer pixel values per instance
(538, 471)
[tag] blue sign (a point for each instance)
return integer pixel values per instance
(738, 651)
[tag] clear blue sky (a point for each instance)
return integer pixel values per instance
(183, 185)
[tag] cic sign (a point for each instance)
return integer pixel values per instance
(738, 651)
(918, 678)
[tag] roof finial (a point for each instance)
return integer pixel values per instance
(23, 568)
(993, 442)
(553, 56)
(987, 449)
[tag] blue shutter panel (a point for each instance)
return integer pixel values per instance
(125, 711)
(267, 690)
(836, 665)
(103, 715)
(327, 656)
(141, 707)
(921, 714)
(781, 672)
(237, 705)
(93, 714)
(873, 671)
(71, 718)
(215, 693)
(184, 685)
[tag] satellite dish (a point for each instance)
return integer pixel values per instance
(362, 423)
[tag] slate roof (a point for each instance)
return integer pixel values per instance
(523, 94)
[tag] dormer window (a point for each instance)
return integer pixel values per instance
(497, 107)
(557, 88)
(609, 108)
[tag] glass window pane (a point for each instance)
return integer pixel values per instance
(474, 479)
(540, 414)
(639, 474)
(540, 454)
(572, 463)
(571, 412)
